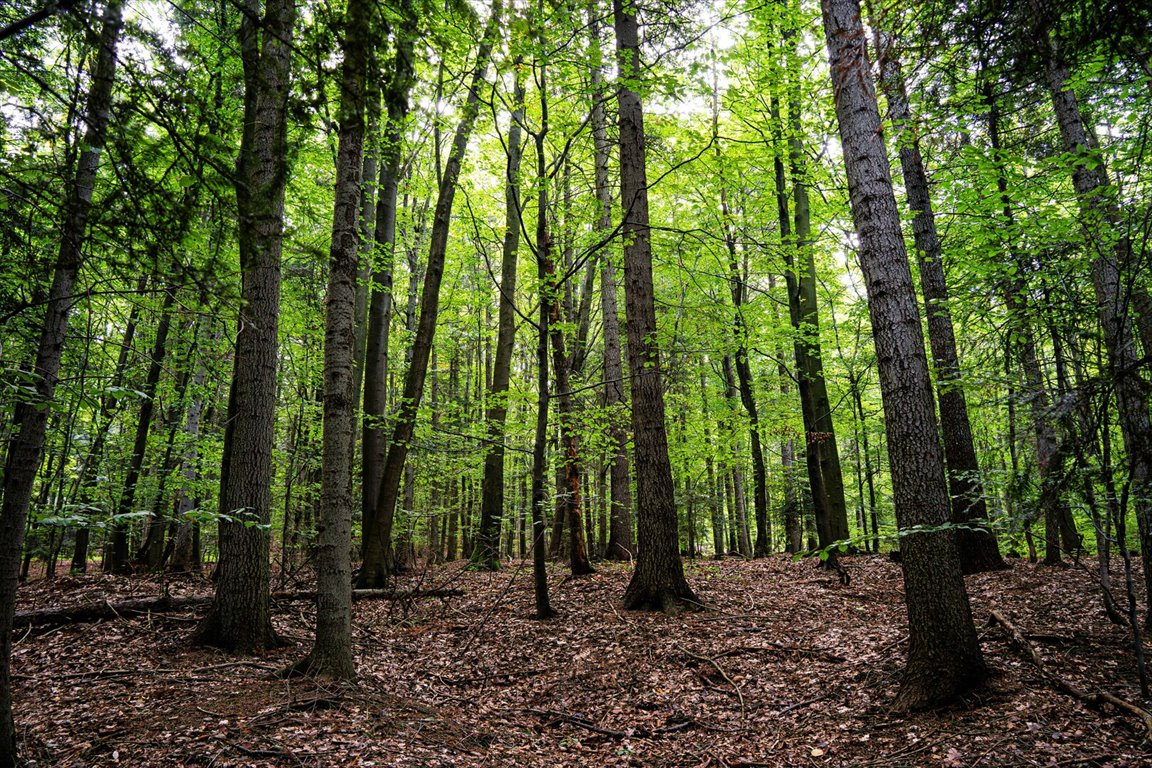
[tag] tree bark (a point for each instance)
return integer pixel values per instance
(486, 556)
(620, 544)
(658, 579)
(978, 549)
(1105, 232)
(378, 560)
(30, 420)
(944, 657)
(239, 619)
(374, 438)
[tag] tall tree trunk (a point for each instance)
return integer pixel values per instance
(658, 579)
(486, 555)
(182, 559)
(978, 549)
(1053, 504)
(738, 291)
(116, 559)
(378, 561)
(331, 654)
(821, 452)
(239, 618)
(30, 420)
(620, 544)
(1105, 231)
(374, 440)
(944, 657)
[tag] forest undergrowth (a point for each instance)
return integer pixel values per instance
(786, 667)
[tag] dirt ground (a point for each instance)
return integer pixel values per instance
(787, 667)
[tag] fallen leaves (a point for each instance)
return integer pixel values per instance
(775, 673)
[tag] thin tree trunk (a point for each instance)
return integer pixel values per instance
(30, 420)
(116, 559)
(486, 555)
(978, 549)
(377, 548)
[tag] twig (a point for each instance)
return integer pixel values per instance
(1094, 700)
(723, 674)
(800, 704)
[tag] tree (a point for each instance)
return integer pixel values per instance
(26, 448)
(977, 545)
(486, 555)
(378, 560)
(944, 657)
(239, 618)
(331, 654)
(658, 579)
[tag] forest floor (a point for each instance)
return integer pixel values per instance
(787, 667)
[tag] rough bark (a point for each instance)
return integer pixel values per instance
(658, 579)
(1105, 233)
(378, 560)
(30, 420)
(331, 654)
(944, 657)
(978, 549)
(487, 552)
(239, 618)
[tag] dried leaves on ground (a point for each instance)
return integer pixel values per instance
(786, 667)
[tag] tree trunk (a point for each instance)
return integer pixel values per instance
(108, 403)
(116, 559)
(620, 545)
(1105, 231)
(821, 452)
(239, 619)
(331, 654)
(30, 420)
(487, 555)
(378, 561)
(978, 549)
(380, 304)
(944, 657)
(658, 579)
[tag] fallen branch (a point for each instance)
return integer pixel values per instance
(1094, 700)
(723, 674)
(76, 614)
(583, 722)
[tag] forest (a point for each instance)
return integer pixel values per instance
(702, 383)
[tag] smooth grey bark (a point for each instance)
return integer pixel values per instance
(184, 554)
(30, 420)
(239, 618)
(944, 657)
(378, 560)
(620, 544)
(978, 548)
(658, 578)
(487, 552)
